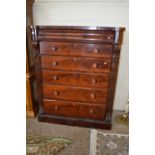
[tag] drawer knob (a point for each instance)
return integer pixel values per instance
(56, 108)
(91, 111)
(93, 81)
(55, 77)
(95, 65)
(92, 96)
(74, 59)
(109, 37)
(55, 63)
(56, 93)
(105, 62)
(96, 50)
(54, 48)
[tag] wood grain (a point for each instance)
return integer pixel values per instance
(76, 69)
(76, 64)
(74, 109)
(75, 79)
(76, 49)
(68, 93)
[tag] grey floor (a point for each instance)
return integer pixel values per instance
(79, 136)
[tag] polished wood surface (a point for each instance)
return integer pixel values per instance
(76, 49)
(77, 34)
(76, 63)
(75, 94)
(76, 70)
(89, 80)
(74, 109)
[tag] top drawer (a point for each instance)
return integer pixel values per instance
(76, 49)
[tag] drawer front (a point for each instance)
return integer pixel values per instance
(103, 36)
(74, 109)
(75, 94)
(76, 64)
(75, 79)
(76, 49)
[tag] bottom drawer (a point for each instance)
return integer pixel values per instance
(74, 109)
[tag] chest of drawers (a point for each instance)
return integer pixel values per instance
(76, 71)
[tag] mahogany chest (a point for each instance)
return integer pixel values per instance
(76, 71)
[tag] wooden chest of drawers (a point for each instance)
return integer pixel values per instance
(76, 71)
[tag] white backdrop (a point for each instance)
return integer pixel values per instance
(91, 13)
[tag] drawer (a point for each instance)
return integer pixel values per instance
(76, 49)
(75, 79)
(74, 109)
(76, 64)
(75, 94)
(91, 36)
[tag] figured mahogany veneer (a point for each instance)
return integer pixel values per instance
(76, 63)
(75, 94)
(76, 109)
(76, 71)
(94, 80)
(77, 34)
(76, 49)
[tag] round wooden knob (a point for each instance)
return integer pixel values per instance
(55, 77)
(56, 108)
(109, 37)
(54, 48)
(55, 63)
(92, 96)
(105, 63)
(95, 65)
(96, 51)
(74, 59)
(93, 81)
(56, 93)
(91, 111)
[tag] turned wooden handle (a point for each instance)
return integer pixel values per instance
(56, 108)
(109, 37)
(93, 81)
(55, 63)
(96, 51)
(54, 48)
(55, 77)
(91, 111)
(56, 93)
(105, 62)
(92, 96)
(95, 65)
